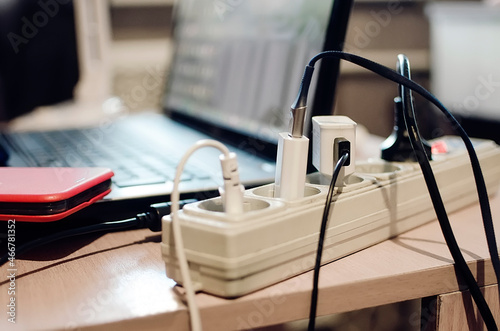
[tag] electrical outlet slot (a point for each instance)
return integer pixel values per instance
(267, 191)
(351, 182)
(211, 211)
(381, 170)
(215, 205)
(232, 255)
(378, 168)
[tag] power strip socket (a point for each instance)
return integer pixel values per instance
(273, 239)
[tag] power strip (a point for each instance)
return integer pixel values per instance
(276, 239)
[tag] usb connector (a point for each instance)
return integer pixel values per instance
(233, 190)
(293, 148)
(298, 117)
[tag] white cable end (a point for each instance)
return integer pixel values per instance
(233, 191)
(291, 167)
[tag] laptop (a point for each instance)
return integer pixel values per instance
(235, 72)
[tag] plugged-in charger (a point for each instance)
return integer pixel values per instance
(232, 191)
(333, 135)
(291, 167)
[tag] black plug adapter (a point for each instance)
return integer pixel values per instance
(397, 146)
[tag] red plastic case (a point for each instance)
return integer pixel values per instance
(49, 194)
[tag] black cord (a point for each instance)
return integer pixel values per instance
(150, 219)
(420, 154)
(319, 252)
(107, 226)
(476, 168)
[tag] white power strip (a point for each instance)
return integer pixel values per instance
(275, 239)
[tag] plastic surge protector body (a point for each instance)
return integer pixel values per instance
(274, 239)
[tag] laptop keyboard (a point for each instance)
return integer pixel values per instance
(133, 162)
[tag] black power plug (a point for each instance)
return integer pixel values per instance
(397, 146)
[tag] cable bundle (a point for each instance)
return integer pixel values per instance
(402, 77)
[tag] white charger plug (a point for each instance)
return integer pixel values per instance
(291, 166)
(291, 161)
(326, 129)
(233, 190)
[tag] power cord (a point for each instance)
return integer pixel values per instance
(232, 201)
(150, 219)
(422, 158)
(476, 168)
(324, 221)
(397, 146)
(408, 83)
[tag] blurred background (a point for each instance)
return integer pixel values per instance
(136, 47)
(127, 49)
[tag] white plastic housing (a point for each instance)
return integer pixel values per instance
(291, 167)
(274, 239)
(325, 130)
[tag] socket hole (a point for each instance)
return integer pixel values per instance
(215, 205)
(320, 179)
(377, 168)
(310, 191)
(268, 191)
(265, 191)
(352, 179)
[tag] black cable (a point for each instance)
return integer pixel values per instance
(150, 219)
(107, 226)
(422, 158)
(476, 168)
(319, 252)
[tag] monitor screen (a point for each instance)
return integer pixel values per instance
(238, 64)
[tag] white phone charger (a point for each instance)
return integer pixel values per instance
(291, 167)
(326, 129)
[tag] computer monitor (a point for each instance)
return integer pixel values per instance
(263, 48)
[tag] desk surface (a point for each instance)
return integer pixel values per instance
(118, 279)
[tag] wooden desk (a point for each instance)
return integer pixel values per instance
(117, 280)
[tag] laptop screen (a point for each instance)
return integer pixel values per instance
(238, 64)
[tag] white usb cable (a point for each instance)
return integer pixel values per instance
(291, 160)
(293, 148)
(232, 196)
(232, 191)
